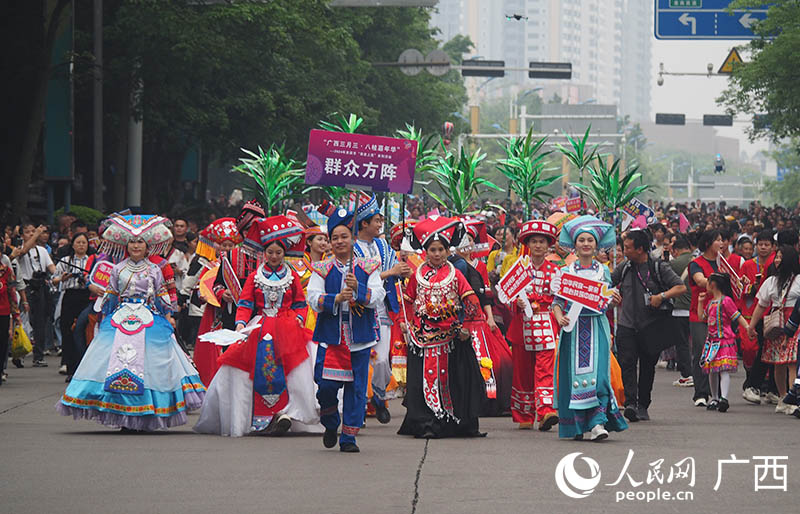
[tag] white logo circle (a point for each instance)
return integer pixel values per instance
(570, 482)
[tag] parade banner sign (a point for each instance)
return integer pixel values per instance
(373, 162)
(574, 204)
(230, 279)
(594, 295)
(516, 279)
(101, 274)
(636, 208)
(559, 204)
(206, 285)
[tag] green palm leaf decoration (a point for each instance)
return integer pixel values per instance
(610, 189)
(426, 147)
(342, 124)
(524, 166)
(456, 177)
(578, 154)
(276, 176)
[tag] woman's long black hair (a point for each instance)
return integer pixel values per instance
(789, 266)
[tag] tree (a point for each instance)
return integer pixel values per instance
(36, 23)
(225, 76)
(768, 83)
(786, 192)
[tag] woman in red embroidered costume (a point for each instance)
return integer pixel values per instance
(219, 236)
(265, 383)
(445, 389)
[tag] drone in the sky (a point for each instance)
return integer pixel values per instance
(516, 17)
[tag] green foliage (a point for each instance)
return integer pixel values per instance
(768, 83)
(234, 75)
(524, 166)
(578, 155)
(426, 147)
(348, 125)
(85, 214)
(606, 189)
(456, 177)
(276, 177)
(786, 192)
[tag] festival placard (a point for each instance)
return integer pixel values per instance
(516, 279)
(230, 279)
(559, 204)
(574, 204)
(591, 294)
(374, 162)
(206, 285)
(101, 274)
(636, 208)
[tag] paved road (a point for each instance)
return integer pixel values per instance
(54, 464)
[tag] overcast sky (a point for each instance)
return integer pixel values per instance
(695, 96)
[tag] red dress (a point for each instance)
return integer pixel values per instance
(206, 354)
(281, 303)
(445, 389)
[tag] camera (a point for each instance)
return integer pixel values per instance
(37, 280)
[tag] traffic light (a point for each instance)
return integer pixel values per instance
(663, 118)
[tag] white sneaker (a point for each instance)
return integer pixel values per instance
(598, 433)
(62, 370)
(770, 398)
(661, 364)
(684, 382)
(790, 409)
(751, 395)
(701, 402)
(781, 408)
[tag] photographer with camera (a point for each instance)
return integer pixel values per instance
(34, 268)
(645, 323)
(72, 278)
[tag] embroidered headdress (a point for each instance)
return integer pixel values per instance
(340, 216)
(558, 219)
(251, 211)
(538, 228)
(367, 209)
(121, 230)
(219, 231)
(603, 232)
(275, 229)
(396, 235)
(438, 228)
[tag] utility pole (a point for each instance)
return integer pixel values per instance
(97, 108)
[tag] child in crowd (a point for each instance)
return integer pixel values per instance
(718, 359)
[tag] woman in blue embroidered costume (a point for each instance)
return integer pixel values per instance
(134, 375)
(265, 383)
(584, 397)
(445, 388)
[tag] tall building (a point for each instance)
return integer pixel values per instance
(607, 41)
